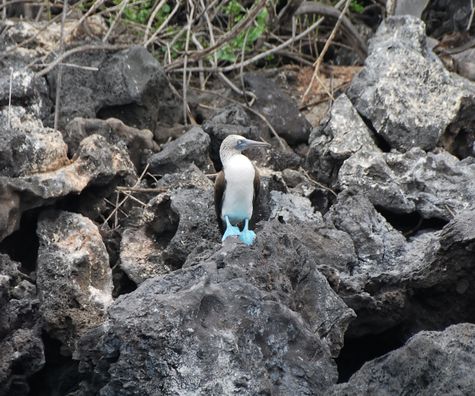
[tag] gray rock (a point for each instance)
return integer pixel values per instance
(341, 134)
(431, 363)
(192, 147)
(377, 244)
(26, 146)
(173, 224)
(139, 142)
(447, 16)
(73, 277)
(436, 185)
(97, 163)
(425, 288)
(21, 347)
(130, 85)
(27, 91)
(280, 110)
(244, 320)
(142, 248)
(292, 208)
(405, 91)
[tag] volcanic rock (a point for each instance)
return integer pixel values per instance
(21, 347)
(431, 362)
(191, 147)
(73, 277)
(405, 92)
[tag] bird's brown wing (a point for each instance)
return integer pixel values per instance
(257, 187)
(219, 187)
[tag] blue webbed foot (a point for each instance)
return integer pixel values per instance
(247, 236)
(230, 230)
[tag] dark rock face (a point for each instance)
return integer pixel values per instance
(382, 253)
(73, 277)
(279, 109)
(21, 347)
(192, 147)
(273, 314)
(430, 363)
(130, 85)
(396, 283)
(445, 16)
(434, 184)
(405, 91)
(341, 134)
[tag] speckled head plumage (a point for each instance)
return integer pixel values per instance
(235, 144)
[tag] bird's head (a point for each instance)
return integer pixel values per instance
(234, 144)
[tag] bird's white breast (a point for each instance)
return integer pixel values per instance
(238, 195)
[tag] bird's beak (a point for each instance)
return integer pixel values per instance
(248, 143)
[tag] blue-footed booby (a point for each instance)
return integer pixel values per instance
(236, 188)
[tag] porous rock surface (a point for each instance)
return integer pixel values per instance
(340, 135)
(368, 243)
(405, 92)
(430, 363)
(96, 163)
(129, 85)
(21, 346)
(275, 318)
(435, 184)
(138, 141)
(279, 109)
(73, 277)
(191, 147)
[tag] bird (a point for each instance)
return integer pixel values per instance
(236, 188)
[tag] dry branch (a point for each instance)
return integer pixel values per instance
(319, 60)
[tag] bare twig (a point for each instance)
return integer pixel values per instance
(472, 12)
(117, 17)
(154, 13)
(141, 189)
(319, 60)
(134, 198)
(4, 10)
(126, 198)
(312, 7)
(163, 25)
(83, 48)
(238, 28)
(255, 58)
(10, 99)
(185, 60)
(312, 180)
(59, 76)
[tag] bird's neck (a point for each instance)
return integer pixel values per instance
(231, 158)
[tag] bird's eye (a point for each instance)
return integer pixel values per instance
(240, 142)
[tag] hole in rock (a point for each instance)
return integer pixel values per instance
(59, 375)
(410, 224)
(358, 351)
(383, 145)
(321, 200)
(22, 245)
(122, 283)
(165, 225)
(130, 114)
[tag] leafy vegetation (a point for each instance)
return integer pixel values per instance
(234, 11)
